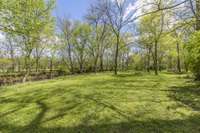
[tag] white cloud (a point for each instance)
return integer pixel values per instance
(2, 37)
(138, 7)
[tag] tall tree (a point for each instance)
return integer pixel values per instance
(29, 19)
(67, 28)
(153, 27)
(118, 17)
(81, 40)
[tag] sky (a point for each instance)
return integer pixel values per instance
(73, 9)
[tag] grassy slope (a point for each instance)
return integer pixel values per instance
(102, 103)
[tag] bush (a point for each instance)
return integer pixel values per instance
(194, 54)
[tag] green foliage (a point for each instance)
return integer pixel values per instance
(81, 38)
(194, 53)
(138, 62)
(26, 17)
(30, 20)
(151, 26)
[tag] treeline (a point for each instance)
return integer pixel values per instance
(79, 47)
(115, 35)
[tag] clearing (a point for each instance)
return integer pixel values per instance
(102, 103)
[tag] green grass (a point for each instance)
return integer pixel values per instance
(102, 103)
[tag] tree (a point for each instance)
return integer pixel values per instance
(81, 40)
(146, 42)
(10, 47)
(194, 50)
(28, 19)
(118, 17)
(100, 29)
(67, 28)
(153, 26)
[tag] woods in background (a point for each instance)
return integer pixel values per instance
(116, 35)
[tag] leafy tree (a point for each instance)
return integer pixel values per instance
(67, 28)
(153, 28)
(194, 53)
(81, 40)
(28, 19)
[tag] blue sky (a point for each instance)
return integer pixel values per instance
(74, 9)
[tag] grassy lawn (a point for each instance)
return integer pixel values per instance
(102, 103)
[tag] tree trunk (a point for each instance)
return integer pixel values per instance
(51, 68)
(37, 64)
(116, 55)
(95, 64)
(96, 57)
(13, 60)
(160, 65)
(28, 67)
(148, 59)
(81, 67)
(178, 58)
(81, 63)
(101, 63)
(70, 58)
(156, 58)
(186, 67)
(26, 76)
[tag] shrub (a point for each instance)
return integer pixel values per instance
(194, 54)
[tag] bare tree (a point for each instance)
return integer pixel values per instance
(100, 25)
(67, 28)
(116, 12)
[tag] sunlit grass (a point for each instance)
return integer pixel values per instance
(103, 103)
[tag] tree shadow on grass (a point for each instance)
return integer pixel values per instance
(128, 125)
(134, 126)
(34, 124)
(187, 95)
(78, 103)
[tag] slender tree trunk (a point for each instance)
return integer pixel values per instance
(95, 64)
(13, 60)
(148, 59)
(51, 68)
(156, 58)
(116, 55)
(26, 76)
(186, 67)
(70, 58)
(81, 63)
(96, 58)
(27, 57)
(101, 63)
(81, 67)
(160, 65)
(178, 58)
(37, 64)
(28, 67)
